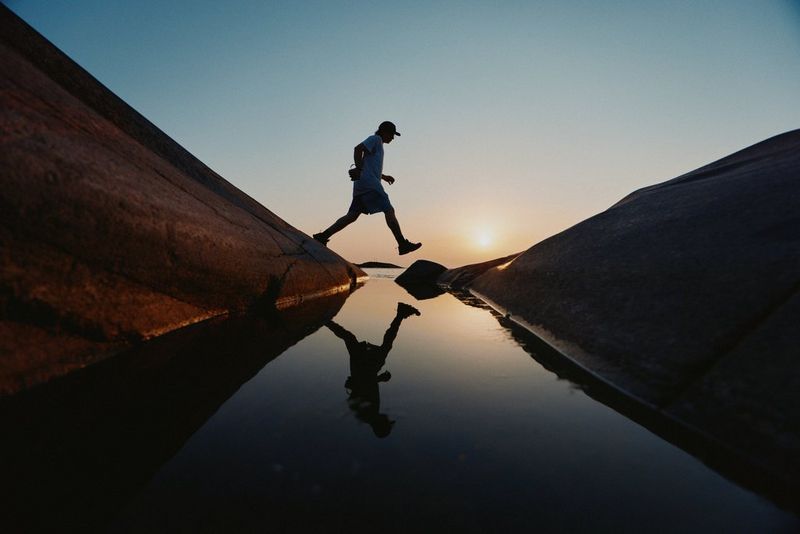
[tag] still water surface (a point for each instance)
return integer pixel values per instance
(460, 428)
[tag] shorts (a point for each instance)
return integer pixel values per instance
(370, 202)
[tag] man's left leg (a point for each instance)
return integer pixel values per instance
(344, 221)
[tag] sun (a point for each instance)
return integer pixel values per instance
(484, 238)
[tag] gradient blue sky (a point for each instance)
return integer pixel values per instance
(519, 119)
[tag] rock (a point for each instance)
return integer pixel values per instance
(111, 233)
(420, 279)
(463, 276)
(378, 265)
(421, 271)
(686, 296)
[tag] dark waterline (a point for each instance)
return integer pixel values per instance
(288, 423)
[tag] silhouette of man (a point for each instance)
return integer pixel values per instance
(368, 194)
(366, 361)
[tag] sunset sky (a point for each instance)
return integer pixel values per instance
(519, 119)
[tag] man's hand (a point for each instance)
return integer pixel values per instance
(387, 178)
(384, 376)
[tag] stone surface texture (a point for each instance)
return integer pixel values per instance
(110, 232)
(685, 295)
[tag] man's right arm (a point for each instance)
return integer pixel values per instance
(358, 154)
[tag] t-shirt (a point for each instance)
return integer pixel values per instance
(371, 167)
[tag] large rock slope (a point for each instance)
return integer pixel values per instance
(111, 232)
(685, 295)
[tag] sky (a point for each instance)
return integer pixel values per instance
(518, 119)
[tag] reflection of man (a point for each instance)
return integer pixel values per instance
(366, 360)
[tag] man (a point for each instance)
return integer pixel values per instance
(368, 194)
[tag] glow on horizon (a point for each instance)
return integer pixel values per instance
(519, 119)
(484, 239)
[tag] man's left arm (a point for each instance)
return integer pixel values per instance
(388, 179)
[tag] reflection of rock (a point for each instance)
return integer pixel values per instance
(422, 291)
(420, 279)
(463, 276)
(98, 435)
(110, 232)
(685, 295)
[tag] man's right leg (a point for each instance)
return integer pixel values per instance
(394, 226)
(340, 224)
(404, 245)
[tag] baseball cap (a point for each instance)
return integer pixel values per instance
(388, 127)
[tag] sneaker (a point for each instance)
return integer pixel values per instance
(407, 246)
(321, 238)
(406, 310)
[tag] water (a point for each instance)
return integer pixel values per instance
(460, 429)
